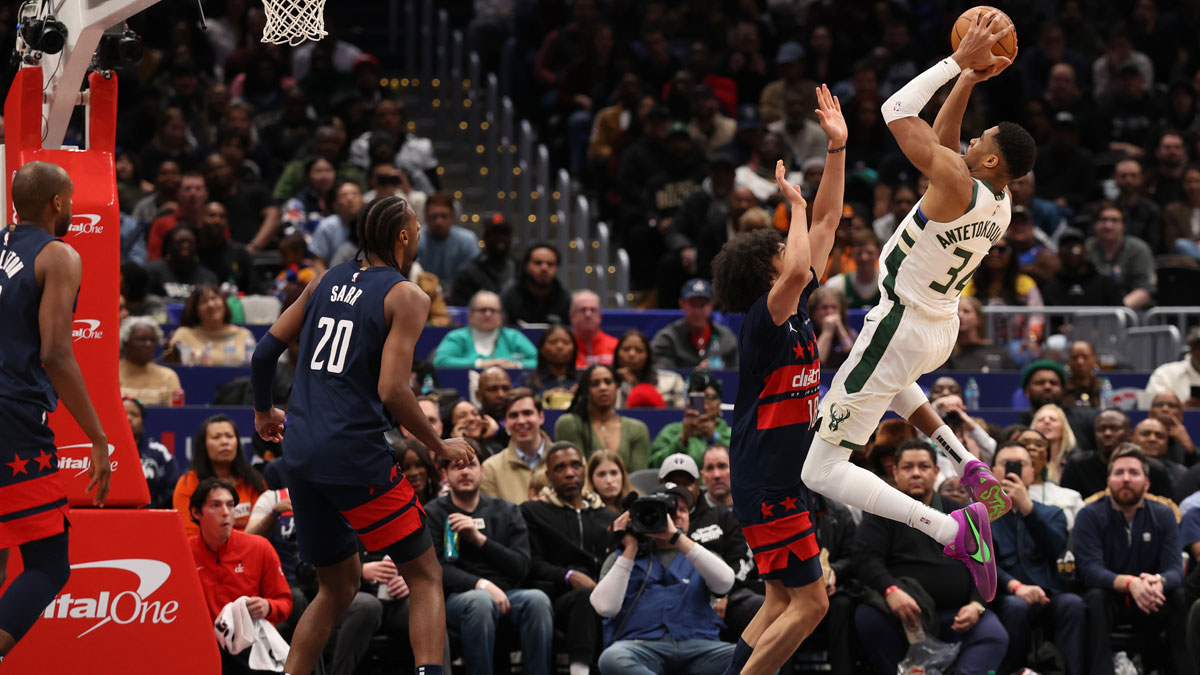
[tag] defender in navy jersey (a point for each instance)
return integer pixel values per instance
(779, 378)
(357, 325)
(39, 281)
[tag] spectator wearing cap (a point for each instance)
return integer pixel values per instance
(1123, 258)
(414, 154)
(802, 136)
(1031, 247)
(1076, 283)
(1043, 382)
(569, 538)
(1181, 221)
(708, 127)
(444, 246)
(714, 527)
(1127, 555)
(492, 270)
(671, 627)
(698, 430)
(709, 207)
(1067, 171)
(1181, 378)
(790, 62)
(1143, 218)
(695, 341)
(485, 341)
(536, 295)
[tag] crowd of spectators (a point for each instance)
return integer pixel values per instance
(242, 170)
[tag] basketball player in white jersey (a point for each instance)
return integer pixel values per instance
(926, 263)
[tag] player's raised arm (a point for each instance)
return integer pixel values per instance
(61, 271)
(827, 207)
(795, 268)
(268, 420)
(948, 123)
(917, 140)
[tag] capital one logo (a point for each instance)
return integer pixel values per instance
(122, 607)
(81, 464)
(86, 329)
(85, 223)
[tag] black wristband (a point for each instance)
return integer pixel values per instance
(674, 538)
(836, 151)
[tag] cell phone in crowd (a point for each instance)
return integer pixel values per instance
(1013, 467)
(696, 402)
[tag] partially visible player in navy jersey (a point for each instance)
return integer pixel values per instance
(357, 325)
(774, 419)
(39, 282)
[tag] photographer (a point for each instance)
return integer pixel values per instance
(654, 593)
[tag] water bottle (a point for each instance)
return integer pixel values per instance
(971, 395)
(715, 362)
(1106, 394)
(427, 385)
(207, 358)
(914, 632)
(381, 591)
(451, 552)
(230, 352)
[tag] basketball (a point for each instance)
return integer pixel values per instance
(1006, 46)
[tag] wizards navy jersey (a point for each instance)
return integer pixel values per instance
(779, 381)
(22, 377)
(336, 419)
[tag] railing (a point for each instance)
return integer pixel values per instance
(1147, 347)
(1107, 328)
(1182, 316)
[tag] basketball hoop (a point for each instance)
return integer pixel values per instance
(292, 22)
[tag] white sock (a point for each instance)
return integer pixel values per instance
(952, 448)
(828, 470)
(579, 668)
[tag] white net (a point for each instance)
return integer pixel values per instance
(294, 21)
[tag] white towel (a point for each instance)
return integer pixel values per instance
(236, 631)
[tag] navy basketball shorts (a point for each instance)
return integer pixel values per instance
(781, 534)
(33, 497)
(331, 519)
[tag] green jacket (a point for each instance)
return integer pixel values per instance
(457, 349)
(634, 447)
(667, 442)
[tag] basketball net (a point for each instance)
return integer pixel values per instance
(293, 21)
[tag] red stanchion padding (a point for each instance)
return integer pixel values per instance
(133, 603)
(95, 233)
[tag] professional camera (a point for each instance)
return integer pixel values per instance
(649, 514)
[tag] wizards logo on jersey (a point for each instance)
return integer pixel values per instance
(790, 394)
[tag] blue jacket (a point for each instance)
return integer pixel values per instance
(1105, 545)
(1028, 547)
(675, 600)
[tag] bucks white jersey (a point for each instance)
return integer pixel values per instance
(927, 264)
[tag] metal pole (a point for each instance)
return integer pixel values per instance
(563, 187)
(522, 226)
(525, 142)
(542, 185)
(622, 277)
(600, 262)
(561, 240)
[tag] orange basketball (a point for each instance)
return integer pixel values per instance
(1006, 46)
